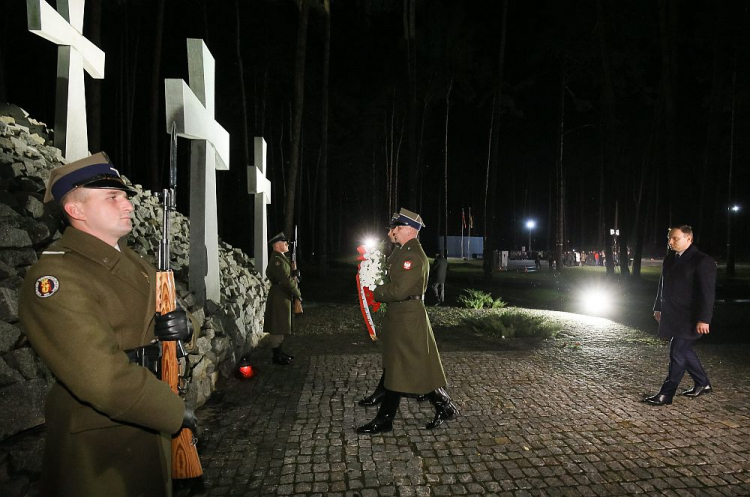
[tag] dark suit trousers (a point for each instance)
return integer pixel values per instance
(682, 358)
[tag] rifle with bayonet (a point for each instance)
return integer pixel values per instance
(296, 303)
(185, 460)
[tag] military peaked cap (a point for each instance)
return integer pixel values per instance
(406, 217)
(95, 171)
(281, 237)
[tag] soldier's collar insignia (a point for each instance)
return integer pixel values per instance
(407, 265)
(46, 286)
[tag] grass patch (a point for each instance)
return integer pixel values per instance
(513, 324)
(477, 299)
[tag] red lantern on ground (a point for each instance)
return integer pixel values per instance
(244, 369)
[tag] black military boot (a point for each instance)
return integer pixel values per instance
(445, 409)
(377, 395)
(279, 358)
(384, 419)
(290, 358)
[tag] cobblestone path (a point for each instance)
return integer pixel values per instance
(537, 418)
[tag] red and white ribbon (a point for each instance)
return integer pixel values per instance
(364, 306)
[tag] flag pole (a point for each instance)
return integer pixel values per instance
(463, 223)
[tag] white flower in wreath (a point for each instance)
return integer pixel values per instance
(371, 270)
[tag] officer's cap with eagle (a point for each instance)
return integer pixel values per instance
(405, 217)
(95, 171)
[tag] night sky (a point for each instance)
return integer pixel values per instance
(674, 132)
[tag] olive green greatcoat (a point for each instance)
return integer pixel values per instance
(410, 356)
(277, 319)
(108, 420)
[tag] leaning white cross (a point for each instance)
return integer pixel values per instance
(260, 186)
(192, 109)
(74, 54)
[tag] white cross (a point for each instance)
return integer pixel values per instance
(260, 186)
(74, 54)
(192, 109)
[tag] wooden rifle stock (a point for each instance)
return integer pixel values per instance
(296, 303)
(185, 460)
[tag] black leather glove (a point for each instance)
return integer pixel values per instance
(295, 273)
(189, 420)
(173, 326)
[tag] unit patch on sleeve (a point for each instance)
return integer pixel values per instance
(407, 265)
(46, 286)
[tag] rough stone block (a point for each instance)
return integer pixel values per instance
(8, 375)
(26, 362)
(18, 257)
(13, 237)
(9, 336)
(9, 304)
(22, 406)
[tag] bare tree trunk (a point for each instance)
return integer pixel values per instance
(730, 252)
(668, 14)
(94, 86)
(445, 177)
(644, 191)
(410, 33)
(490, 215)
(323, 182)
(608, 135)
(129, 71)
(485, 227)
(156, 123)
(560, 177)
(299, 93)
(243, 96)
(4, 25)
(421, 176)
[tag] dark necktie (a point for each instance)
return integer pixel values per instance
(677, 257)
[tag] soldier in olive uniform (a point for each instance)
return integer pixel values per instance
(411, 361)
(88, 307)
(284, 288)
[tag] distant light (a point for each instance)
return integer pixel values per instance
(596, 301)
(531, 224)
(370, 243)
(735, 208)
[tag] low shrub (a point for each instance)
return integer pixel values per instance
(513, 324)
(477, 299)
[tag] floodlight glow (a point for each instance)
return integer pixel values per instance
(735, 208)
(531, 224)
(596, 301)
(370, 243)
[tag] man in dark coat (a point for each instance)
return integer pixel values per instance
(684, 307)
(411, 361)
(278, 315)
(440, 270)
(86, 306)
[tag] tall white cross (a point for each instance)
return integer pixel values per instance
(74, 54)
(192, 109)
(260, 186)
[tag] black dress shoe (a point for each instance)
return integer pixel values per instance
(282, 361)
(377, 425)
(697, 391)
(374, 399)
(446, 413)
(658, 400)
